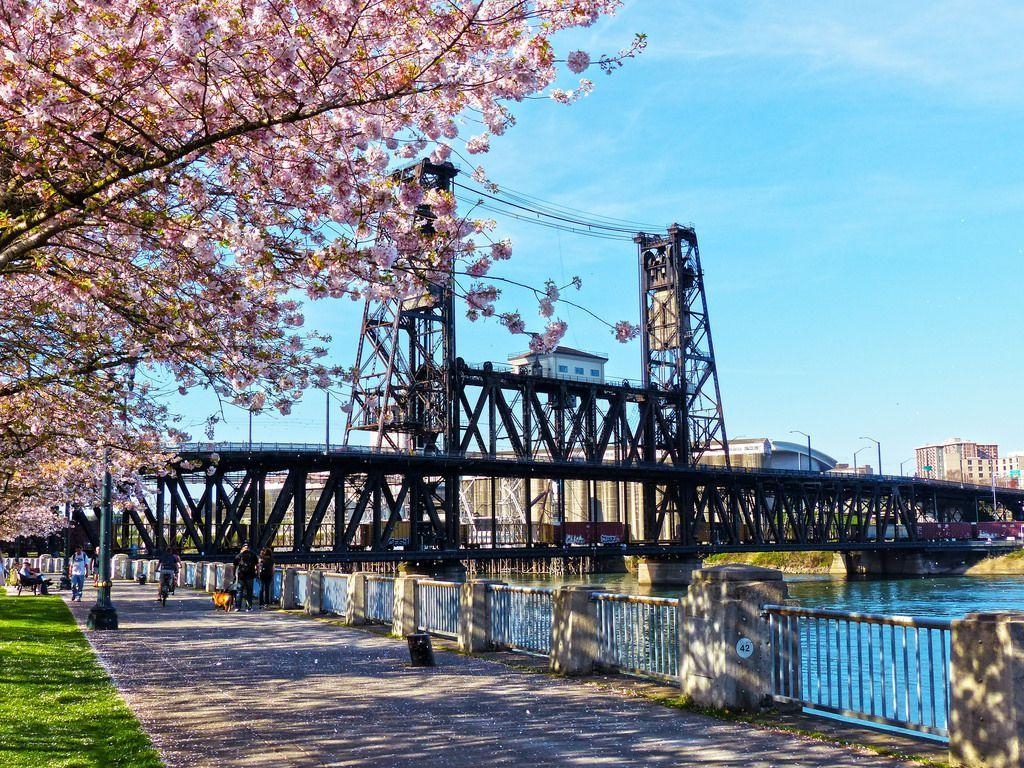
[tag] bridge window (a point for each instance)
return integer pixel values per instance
(579, 371)
(595, 372)
(563, 369)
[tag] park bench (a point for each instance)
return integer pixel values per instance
(24, 583)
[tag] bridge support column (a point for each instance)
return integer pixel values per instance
(403, 620)
(314, 592)
(725, 643)
(474, 618)
(841, 564)
(574, 646)
(440, 570)
(666, 573)
(986, 706)
(355, 613)
(932, 561)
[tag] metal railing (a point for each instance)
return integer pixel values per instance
(437, 607)
(380, 599)
(520, 618)
(884, 670)
(638, 634)
(334, 596)
(301, 587)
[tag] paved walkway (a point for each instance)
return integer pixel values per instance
(272, 689)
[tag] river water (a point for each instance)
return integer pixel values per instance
(945, 597)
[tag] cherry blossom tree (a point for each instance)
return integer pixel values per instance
(174, 174)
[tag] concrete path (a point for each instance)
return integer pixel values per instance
(276, 690)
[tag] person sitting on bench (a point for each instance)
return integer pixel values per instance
(31, 576)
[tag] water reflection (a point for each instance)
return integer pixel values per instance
(945, 597)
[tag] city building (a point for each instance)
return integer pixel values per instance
(561, 363)
(763, 453)
(959, 460)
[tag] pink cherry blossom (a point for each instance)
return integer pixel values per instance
(176, 173)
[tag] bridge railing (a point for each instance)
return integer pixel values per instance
(639, 635)
(437, 607)
(890, 670)
(520, 618)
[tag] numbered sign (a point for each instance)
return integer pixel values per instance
(745, 647)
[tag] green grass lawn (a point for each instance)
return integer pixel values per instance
(58, 708)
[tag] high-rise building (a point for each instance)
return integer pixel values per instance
(958, 460)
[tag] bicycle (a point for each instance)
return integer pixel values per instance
(166, 586)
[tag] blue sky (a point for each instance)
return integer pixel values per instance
(856, 182)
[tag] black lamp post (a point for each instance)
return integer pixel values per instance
(103, 615)
(879, 451)
(799, 432)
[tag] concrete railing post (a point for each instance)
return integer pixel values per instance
(355, 613)
(474, 615)
(725, 645)
(118, 566)
(314, 592)
(986, 705)
(574, 636)
(288, 589)
(403, 620)
(210, 581)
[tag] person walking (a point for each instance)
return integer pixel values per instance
(79, 568)
(245, 574)
(266, 575)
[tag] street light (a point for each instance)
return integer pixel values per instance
(862, 448)
(799, 432)
(103, 615)
(904, 462)
(862, 437)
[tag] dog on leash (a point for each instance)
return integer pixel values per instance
(223, 599)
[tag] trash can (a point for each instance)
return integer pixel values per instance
(421, 652)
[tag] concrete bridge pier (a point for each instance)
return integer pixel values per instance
(926, 561)
(663, 572)
(442, 570)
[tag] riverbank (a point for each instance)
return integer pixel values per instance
(787, 562)
(1003, 565)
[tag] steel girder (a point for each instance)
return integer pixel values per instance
(360, 505)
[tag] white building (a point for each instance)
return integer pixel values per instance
(763, 453)
(561, 363)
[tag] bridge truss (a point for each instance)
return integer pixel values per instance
(477, 461)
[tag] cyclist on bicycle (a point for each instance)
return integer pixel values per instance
(170, 563)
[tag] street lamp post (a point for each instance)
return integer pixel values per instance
(103, 615)
(879, 451)
(800, 432)
(862, 448)
(902, 463)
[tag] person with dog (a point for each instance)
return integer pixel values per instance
(245, 574)
(266, 574)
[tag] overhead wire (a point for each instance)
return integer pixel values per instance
(524, 208)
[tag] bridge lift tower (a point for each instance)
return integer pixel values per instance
(402, 391)
(678, 355)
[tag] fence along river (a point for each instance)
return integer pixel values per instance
(877, 651)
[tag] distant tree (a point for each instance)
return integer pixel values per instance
(174, 174)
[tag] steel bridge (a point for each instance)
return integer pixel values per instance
(482, 461)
